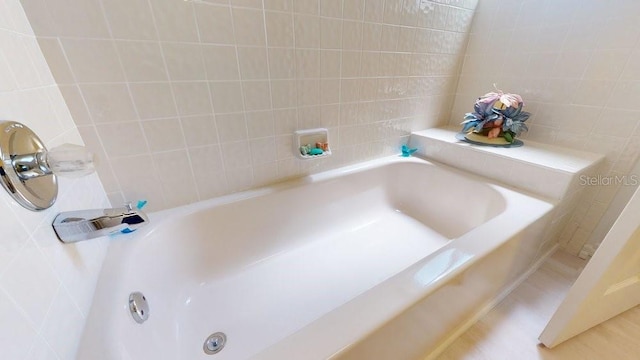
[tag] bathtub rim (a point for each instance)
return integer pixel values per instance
(183, 210)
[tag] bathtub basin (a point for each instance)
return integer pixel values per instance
(383, 260)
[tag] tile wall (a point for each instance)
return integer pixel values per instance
(577, 65)
(188, 100)
(45, 287)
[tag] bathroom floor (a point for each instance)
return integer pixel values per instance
(511, 329)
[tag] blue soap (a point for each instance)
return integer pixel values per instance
(315, 151)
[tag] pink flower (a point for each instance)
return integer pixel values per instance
(511, 100)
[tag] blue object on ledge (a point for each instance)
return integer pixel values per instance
(406, 151)
(141, 204)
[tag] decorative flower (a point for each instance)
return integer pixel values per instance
(497, 114)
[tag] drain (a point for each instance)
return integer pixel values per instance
(214, 343)
(139, 307)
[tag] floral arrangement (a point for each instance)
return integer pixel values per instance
(497, 114)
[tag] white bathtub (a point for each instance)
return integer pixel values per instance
(384, 260)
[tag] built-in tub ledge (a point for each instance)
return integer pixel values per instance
(546, 170)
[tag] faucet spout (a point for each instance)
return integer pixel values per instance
(74, 226)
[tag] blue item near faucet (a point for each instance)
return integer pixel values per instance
(407, 151)
(139, 206)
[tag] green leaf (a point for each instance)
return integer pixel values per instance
(508, 137)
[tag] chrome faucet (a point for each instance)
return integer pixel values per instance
(73, 226)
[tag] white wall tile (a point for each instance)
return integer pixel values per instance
(283, 93)
(77, 107)
(253, 63)
(130, 19)
(282, 63)
(73, 19)
(257, 95)
(308, 92)
(93, 60)
(209, 159)
(256, 4)
(226, 97)
(231, 127)
(279, 29)
(108, 102)
(103, 166)
(31, 283)
(184, 61)
(236, 155)
(331, 8)
(64, 321)
(215, 24)
(330, 63)
(137, 176)
(7, 79)
(260, 124)
(307, 64)
(57, 60)
(163, 134)
(122, 139)
(178, 185)
(306, 31)
(219, 2)
(632, 68)
(306, 6)
(352, 35)
(263, 150)
(282, 5)
(16, 334)
(607, 64)
(41, 351)
(16, 237)
(153, 100)
(371, 33)
(354, 9)
(240, 179)
(175, 20)
(19, 60)
(39, 15)
(350, 65)
(330, 33)
(221, 62)
(142, 61)
(625, 95)
(248, 26)
(374, 10)
(199, 130)
(265, 174)
(192, 98)
(577, 70)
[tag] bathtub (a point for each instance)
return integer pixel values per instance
(383, 260)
